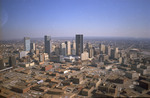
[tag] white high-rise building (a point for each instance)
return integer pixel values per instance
(102, 48)
(116, 53)
(68, 47)
(74, 44)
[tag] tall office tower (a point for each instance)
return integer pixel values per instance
(57, 51)
(2, 64)
(94, 51)
(101, 58)
(37, 51)
(112, 56)
(102, 48)
(63, 49)
(32, 46)
(41, 57)
(73, 48)
(116, 53)
(53, 48)
(79, 45)
(68, 47)
(48, 44)
(108, 50)
(12, 61)
(74, 44)
(91, 52)
(26, 44)
(88, 45)
(122, 60)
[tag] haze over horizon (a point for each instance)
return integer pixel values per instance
(65, 18)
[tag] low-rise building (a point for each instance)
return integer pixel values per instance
(47, 67)
(144, 84)
(132, 74)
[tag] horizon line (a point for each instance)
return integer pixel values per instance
(74, 37)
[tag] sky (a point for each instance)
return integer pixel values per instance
(65, 18)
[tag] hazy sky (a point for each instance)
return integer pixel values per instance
(60, 18)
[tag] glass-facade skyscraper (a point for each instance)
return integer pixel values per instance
(79, 44)
(26, 44)
(48, 44)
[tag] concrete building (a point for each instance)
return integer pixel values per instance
(68, 47)
(108, 50)
(74, 44)
(41, 57)
(91, 52)
(102, 48)
(33, 47)
(69, 59)
(63, 49)
(88, 45)
(37, 51)
(114, 53)
(144, 84)
(12, 61)
(132, 74)
(53, 48)
(26, 64)
(2, 65)
(87, 91)
(122, 60)
(78, 79)
(23, 54)
(85, 56)
(46, 57)
(47, 67)
(73, 48)
(103, 57)
(57, 51)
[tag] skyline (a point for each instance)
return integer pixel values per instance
(58, 18)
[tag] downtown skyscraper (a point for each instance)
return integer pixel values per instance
(48, 44)
(79, 44)
(63, 49)
(26, 44)
(68, 47)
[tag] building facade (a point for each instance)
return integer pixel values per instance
(48, 44)
(26, 44)
(68, 47)
(63, 49)
(79, 45)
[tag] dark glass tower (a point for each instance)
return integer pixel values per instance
(79, 44)
(48, 45)
(12, 61)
